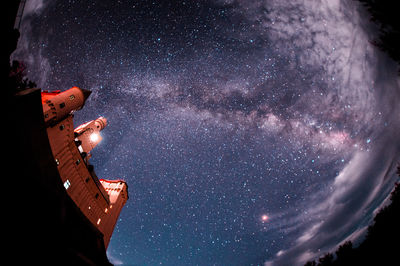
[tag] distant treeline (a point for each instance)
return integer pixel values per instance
(385, 15)
(381, 245)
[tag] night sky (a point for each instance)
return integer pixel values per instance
(249, 132)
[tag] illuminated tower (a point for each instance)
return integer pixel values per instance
(100, 201)
(88, 134)
(118, 193)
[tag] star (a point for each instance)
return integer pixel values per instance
(222, 109)
(264, 218)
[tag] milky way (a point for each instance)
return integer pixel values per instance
(249, 132)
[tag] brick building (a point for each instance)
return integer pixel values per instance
(99, 200)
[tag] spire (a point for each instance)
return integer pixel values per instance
(57, 105)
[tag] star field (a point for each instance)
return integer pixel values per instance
(249, 132)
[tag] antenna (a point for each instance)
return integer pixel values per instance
(20, 12)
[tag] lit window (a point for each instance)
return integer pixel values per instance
(106, 210)
(94, 137)
(67, 184)
(98, 221)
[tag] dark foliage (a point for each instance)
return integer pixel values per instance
(13, 75)
(310, 263)
(385, 16)
(326, 260)
(17, 77)
(345, 253)
(380, 246)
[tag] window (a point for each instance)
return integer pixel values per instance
(67, 184)
(71, 97)
(62, 105)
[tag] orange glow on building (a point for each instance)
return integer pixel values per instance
(71, 150)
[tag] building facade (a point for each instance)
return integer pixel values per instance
(100, 200)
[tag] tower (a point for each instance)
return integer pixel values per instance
(87, 136)
(101, 201)
(118, 193)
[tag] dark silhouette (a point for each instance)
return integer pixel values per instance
(386, 17)
(327, 259)
(43, 225)
(345, 253)
(380, 246)
(17, 77)
(13, 75)
(310, 263)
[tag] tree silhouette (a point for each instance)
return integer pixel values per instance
(345, 253)
(385, 16)
(326, 260)
(380, 246)
(310, 263)
(17, 77)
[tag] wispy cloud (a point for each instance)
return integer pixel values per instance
(333, 91)
(361, 84)
(353, 195)
(33, 57)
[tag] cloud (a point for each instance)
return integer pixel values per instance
(38, 64)
(113, 259)
(34, 7)
(326, 35)
(350, 197)
(315, 80)
(361, 85)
